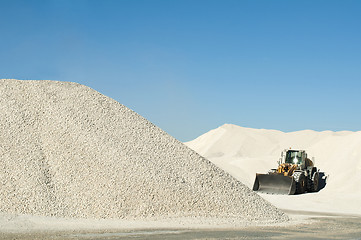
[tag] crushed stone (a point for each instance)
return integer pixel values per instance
(68, 151)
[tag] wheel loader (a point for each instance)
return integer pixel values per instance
(295, 174)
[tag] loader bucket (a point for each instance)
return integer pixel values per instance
(274, 183)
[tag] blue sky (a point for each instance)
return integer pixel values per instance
(191, 66)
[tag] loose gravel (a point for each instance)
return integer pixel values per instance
(68, 151)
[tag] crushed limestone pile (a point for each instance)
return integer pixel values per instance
(69, 151)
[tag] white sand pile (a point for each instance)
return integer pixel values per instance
(69, 151)
(244, 151)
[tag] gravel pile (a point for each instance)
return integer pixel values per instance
(69, 151)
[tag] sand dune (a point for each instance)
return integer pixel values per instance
(244, 151)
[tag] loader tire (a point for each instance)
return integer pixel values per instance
(314, 182)
(309, 184)
(300, 180)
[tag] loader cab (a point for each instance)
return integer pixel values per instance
(295, 157)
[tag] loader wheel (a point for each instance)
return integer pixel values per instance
(314, 184)
(300, 179)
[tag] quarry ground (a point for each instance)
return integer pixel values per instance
(69, 152)
(306, 225)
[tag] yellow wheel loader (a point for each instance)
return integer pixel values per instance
(295, 174)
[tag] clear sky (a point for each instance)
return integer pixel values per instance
(191, 65)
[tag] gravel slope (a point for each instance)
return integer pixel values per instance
(69, 151)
